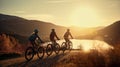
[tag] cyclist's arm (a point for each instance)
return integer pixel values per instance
(40, 39)
(71, 35)
(56, 36)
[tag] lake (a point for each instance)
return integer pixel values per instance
(87, 45)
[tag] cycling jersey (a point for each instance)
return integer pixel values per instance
(53, 35)
(33, 37)
(66, 35)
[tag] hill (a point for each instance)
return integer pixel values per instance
(111, 33)
(24, 27)
(17, 25)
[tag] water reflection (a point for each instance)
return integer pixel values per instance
(88, 45)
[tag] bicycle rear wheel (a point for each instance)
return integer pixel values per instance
(70, 45)
(29, 53)
(49, 49)
(57, 48)
(40, 52)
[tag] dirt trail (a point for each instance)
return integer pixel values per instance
(45, 62)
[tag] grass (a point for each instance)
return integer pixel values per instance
(92, 59)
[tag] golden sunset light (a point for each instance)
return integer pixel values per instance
(60, 33)
(85, 16)
(81, 13)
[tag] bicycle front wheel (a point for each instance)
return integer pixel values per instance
(49, 49)
(29, 53)
(40, 52)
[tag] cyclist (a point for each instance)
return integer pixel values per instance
(67, 34)
(33, 37)
(53, 35)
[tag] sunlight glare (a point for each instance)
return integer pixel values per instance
(85, 17)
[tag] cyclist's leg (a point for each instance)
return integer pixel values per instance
(54, 42)
(32, 43)
(66, 41)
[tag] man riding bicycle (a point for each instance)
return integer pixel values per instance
(53, 35)
(33, 37)
(67, 34)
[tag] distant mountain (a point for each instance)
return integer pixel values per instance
(111, 33)
(24, 27)
(17, 25)
(84, 30)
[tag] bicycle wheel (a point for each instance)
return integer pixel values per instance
(70, 45)
(40, 52)
(63, 47)
(57, 48)
(49, 49)
(29, 53)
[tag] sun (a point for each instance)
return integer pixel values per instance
(85, 17)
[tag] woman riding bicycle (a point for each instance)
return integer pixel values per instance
(33, 37)
(67, 34)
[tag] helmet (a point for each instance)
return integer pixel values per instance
(53, 29)
(36, 30)
(68, 29)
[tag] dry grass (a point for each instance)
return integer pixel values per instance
(10, 47)
(92, 59)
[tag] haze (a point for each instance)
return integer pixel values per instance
(82, 13)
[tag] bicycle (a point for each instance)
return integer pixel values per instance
(31, 51)
(52, 47)
(66, 46)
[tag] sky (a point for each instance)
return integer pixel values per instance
(82, 13)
